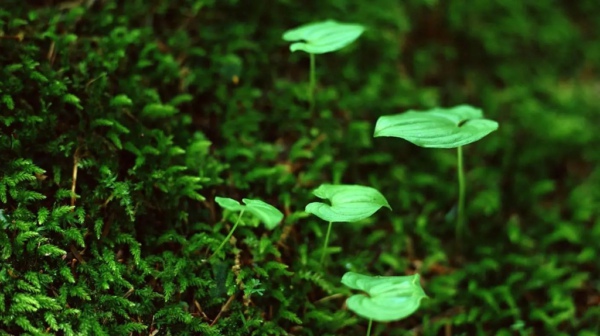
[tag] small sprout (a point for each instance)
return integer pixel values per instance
(440, 128)
(387, 298)
(266, 213)
(319, 38)
(323, 37)
(349, 203)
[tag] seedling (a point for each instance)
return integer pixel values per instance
(320, 38)
(440, 128)
(266, 213)
(349, 203)
(387, 298)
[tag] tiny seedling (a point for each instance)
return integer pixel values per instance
(387, 298)
(320, 38)
(266, 213)
(349, 203)
(440, 128)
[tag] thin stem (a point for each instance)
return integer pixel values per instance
(461, 194)
(326, 243)
(369, 328)
(228, 235)
(312, 84)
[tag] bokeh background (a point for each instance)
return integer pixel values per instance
(120, 121)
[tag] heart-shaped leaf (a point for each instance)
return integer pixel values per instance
(349, 203)
(323, 37)
(229, 204)
(437, 128)
(389, 298)
(265, 212)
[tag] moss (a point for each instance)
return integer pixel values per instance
(122, 120)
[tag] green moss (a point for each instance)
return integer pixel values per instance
(149, 110)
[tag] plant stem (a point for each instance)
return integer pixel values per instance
(312, 83)
(369, 328)
(228, 235)
(326, 243)
(460, 223)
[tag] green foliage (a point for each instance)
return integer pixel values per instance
(265, 212)
(323, 37)
(121, 120)
(387, 298)
(440, 128)
(349, 203)
(437, 128)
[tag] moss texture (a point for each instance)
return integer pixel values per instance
(120, 121)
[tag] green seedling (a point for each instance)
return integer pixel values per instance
(387, 298)
(440, 128)
(319, 38)
(266, 213)
(349, 203)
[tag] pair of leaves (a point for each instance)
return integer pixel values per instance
(266, 213)
(349, 203)
(389, 298)
(437, 128)
(323, 37)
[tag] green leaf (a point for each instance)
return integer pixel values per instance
(229, 204)
(389, 298)
(267, 213)
(437, 128)
(323, 37)
(349, 203)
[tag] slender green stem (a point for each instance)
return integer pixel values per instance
(229, 235)
(312, 84)
(326, 243)
(369, 328)
(460, 223)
